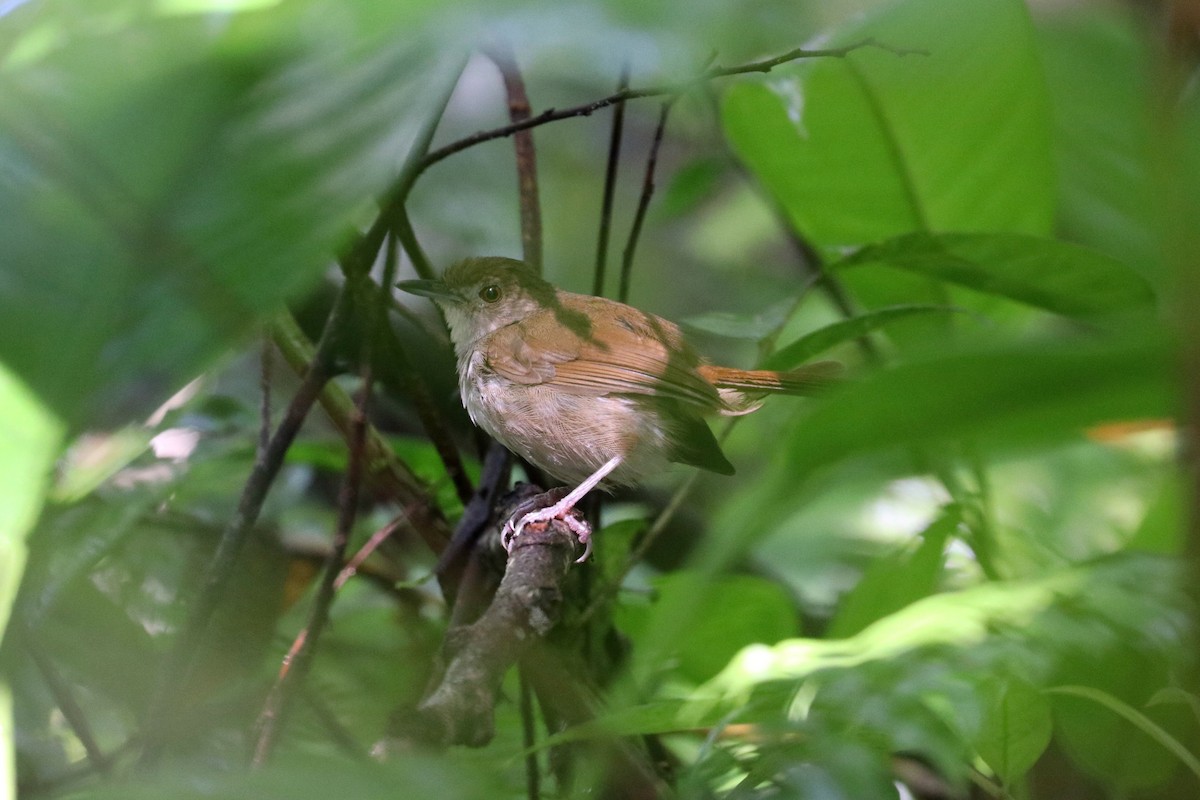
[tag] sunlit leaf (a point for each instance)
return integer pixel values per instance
(875, 144)
(896, 580)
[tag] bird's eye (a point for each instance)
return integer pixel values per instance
(489, 293)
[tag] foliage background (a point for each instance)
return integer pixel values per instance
(973, 552)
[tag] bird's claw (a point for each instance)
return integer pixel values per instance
(569, 517)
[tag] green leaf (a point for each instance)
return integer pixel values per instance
(1138, 719)
(1017, 396)
(732, 612)
(1017, 728)
(140, 242)
(893, 582)
(872, 145)
(29, 440)
(817, 342)
(742, 326)
(1056, 276)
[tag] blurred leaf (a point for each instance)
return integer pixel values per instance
(1021, 395)
(1102, 135)
(1173, 694)
(734, 611)
(29, 441)
(156, 204)
(1024, 620)
(690, 186)
(94, 458)
(1163, 529)
(742, 326)
(873, 145)
(817, 342)
(1137, 718)
(1056, 276)
(314, 777)
(1017, 729)
(893, 582)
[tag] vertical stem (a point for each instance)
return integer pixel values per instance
(518, 111)
(179, 662)
(643, 203)
(610, 184)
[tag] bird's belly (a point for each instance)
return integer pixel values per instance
(569, 435)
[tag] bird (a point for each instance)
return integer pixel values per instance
(592, 391)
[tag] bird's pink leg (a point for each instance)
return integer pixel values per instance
(562, 510)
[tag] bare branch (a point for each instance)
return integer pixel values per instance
(712, 73)
(643, 203)
(610, 184)
(519, 111)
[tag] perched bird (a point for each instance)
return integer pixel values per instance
(592, 391)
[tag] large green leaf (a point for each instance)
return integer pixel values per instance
(164, 182)
(29, 441)
(873, 145)
(1056, 276)
(1017, 396)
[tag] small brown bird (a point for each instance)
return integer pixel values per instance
(588, 389)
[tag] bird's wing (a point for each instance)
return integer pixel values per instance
(592, 346)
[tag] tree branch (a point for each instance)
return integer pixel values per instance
(643, 203)
(179, 662)
(519, 111)
(712, 73)
(610, 185)
(528, 604)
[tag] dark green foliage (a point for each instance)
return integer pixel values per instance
(969, 556)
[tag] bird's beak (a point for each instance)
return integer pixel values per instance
(435, 290)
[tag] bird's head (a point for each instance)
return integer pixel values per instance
(480, 295)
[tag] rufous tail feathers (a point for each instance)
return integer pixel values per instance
(742, 390)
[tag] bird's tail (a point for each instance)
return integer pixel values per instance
(742, 390)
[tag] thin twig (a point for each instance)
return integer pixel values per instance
(497, 466)
(179, 662)
(643, 203)
(610, 185)
(587, 109)
(361, 253)
(520, 111)
(299, 658)
(264, 387)
(377, 538)
(397, 372)
(64, 698)
(387, 474)
(533, 774)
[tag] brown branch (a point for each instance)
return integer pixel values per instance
(643, 203)
(671, 90)
(528, 604)
(610, 185)
(519, 111)
(299, 659)
(397, 372)
(64, 697)
(386, 474)
(179, 662)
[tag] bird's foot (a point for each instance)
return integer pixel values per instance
(534, 510)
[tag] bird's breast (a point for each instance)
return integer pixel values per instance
(566, 434)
